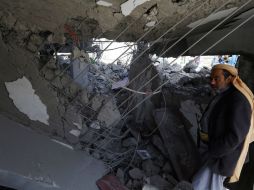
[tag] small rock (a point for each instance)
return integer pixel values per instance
(95, 125)
(129, 142)
(72, 138)
(109, 114)
(75, 132)
(149, 168)
(129, 184)
(116, 67)
(136, 173)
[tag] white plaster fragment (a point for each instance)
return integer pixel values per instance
(212, 17)
(151, 24)
(130, 5)
(104, 3)
(25, 99)
(75, 132)
(63, 144)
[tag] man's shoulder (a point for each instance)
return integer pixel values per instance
(236, 96)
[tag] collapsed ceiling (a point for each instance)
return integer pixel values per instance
(108, 18)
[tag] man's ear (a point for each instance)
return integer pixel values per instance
(229, 79)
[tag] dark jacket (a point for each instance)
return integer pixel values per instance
(228, 125)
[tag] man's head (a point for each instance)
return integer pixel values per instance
(220, 79)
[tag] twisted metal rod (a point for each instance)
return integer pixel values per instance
(168, 50)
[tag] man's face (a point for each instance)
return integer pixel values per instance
(218, 81)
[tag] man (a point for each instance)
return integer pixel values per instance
(226, 130)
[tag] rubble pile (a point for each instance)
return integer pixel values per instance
(83, 115)
(149, 162)
(101, 76)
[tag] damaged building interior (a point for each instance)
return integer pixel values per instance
(73, 119)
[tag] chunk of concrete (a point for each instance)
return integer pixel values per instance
(149, 168)
(109, 114)
(136, 173)
(131, 141)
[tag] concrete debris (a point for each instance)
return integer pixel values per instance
(97, 102)
(109, 114)
(151, 23)
(182, 152)
(149, 187)
(192, 113)
(72, 116)
(95, 125)
(149, 168)
(159, 182)
(72, 136)
(120, 84)
(129, 142)
(150, 15)
(75, 132)
(136, 173)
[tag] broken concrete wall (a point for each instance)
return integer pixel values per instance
(15, 64)
(63, 98)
